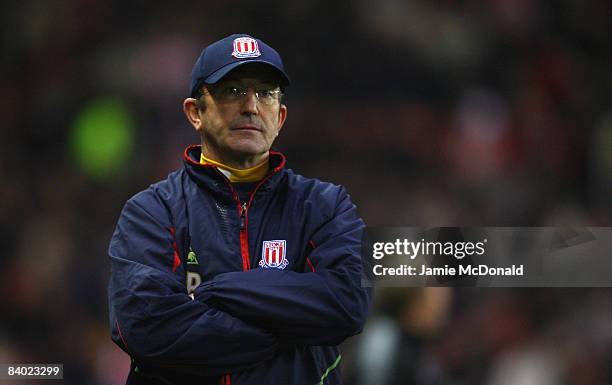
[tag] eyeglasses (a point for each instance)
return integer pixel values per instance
(229, 92)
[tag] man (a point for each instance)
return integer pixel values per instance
(235, 270)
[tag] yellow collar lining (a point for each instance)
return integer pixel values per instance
(236, 175)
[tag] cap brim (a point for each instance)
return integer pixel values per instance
(221, 72)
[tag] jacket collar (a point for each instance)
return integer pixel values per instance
(209, 177)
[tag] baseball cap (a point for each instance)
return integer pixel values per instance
(220, 57)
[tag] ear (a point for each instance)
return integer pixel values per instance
(282, 116)
(191, 110)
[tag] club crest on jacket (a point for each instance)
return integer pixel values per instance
(273, 254)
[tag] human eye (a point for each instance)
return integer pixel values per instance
(269, 93)
(230, 91)
(226, 91)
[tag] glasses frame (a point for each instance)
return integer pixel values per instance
(241, 92)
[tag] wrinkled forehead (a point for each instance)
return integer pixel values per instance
(258, 71)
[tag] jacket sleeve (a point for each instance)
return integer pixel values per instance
(154, 320)
(323, 307)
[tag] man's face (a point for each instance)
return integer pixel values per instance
(237, 128)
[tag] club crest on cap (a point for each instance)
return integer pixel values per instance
(245, 47)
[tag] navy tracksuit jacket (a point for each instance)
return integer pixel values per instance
(279, 323)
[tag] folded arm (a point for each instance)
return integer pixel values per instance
(152, 317)
(323, 307)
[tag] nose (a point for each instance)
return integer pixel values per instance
(250, 103)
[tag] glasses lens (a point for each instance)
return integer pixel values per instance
(226, 92)
(267, 96)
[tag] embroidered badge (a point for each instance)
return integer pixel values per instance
(245, 47)
(273, 254)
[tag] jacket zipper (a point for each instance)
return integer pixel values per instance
(244, 220)
(243, 211)
(244, 236)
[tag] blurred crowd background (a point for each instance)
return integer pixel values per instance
(466, 113)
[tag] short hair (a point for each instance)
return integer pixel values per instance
(199, 97)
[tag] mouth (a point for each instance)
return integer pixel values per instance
(247, 127)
